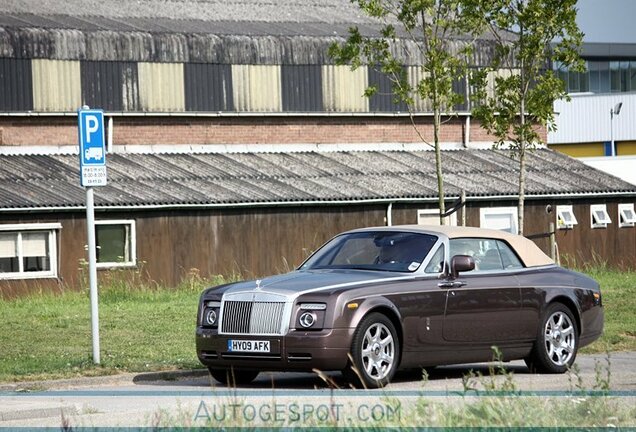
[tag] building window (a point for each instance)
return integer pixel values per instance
(116, 245)
(565, 217)
(431, 217)
(499, 218)
(28, 251)
(600, 218)
(626, 215)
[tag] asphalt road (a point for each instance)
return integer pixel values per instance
(195, 398)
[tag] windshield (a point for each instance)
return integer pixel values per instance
(373, 250)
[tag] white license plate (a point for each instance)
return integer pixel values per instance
(261, 346)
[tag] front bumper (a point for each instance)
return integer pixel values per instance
(326, 350)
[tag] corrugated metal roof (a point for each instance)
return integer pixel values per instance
(169, 179)
(187, 15)
(209, 31)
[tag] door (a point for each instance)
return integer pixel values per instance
(486, 307)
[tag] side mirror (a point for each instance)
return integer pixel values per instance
(461, 263)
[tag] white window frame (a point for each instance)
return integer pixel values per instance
(604, 221)
(561, 210)
(19, 229)
(511, 211)
(624, 220)
(133, 243)
(451, 219)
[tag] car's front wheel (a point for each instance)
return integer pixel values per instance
(233, 377)
(375, 352)
(557, 341)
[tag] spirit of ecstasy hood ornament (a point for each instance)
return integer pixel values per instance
(258, 284)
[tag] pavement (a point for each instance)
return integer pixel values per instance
(193, 398)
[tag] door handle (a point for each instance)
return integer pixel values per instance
(451, 284)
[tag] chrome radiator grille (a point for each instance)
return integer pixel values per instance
(252, 317)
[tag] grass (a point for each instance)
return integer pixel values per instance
(149, 328)
(619, 301)
(47, 336)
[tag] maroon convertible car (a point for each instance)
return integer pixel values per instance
(373, 300)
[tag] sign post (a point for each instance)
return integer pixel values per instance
(92, 148)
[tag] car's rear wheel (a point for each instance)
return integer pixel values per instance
(375, 352)
(233, 377)
(557, 341)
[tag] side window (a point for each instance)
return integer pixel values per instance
(436, 265)
(508, 257)
(490, 259)
(485, 252)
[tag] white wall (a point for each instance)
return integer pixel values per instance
(586, 118)
(623, 167)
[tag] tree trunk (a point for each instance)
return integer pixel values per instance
(522, 138)
(438, 165)
(522, 187)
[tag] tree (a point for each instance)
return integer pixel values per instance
(431, 26)
(521, 102)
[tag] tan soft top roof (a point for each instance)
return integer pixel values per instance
(527, 250)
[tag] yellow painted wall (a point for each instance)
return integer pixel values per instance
(256, 88)
(343, 89)
(161, 86)
(580, 150)
(626, 148)
(56, 85)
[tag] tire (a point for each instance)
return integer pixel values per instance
(375, 352)
(557, 342)
(233, 377)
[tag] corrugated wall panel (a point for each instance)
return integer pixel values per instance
(112, 86)
(343, 89)
(161, 86)
(459, 87)
(492, 76)
(586, 118)
(383, 99)
(301, 87)
(16, 92)
(256, 88)
(56, 85)
(208, 87)
(415, 74)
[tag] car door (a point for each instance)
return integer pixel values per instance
(483, 305)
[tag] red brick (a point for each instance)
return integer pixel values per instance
(26, 131)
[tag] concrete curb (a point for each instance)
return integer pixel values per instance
(170, 375)
(118, 379)
(38, 413)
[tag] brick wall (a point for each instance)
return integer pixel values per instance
(25, 131)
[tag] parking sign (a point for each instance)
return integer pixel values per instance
(92, 147)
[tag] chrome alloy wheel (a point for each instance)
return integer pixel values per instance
(378, 351)
(560, 340)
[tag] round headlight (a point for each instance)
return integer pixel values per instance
(210, 317)
(307, 319)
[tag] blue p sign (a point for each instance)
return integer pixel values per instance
(92, 143)
(92, 146)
